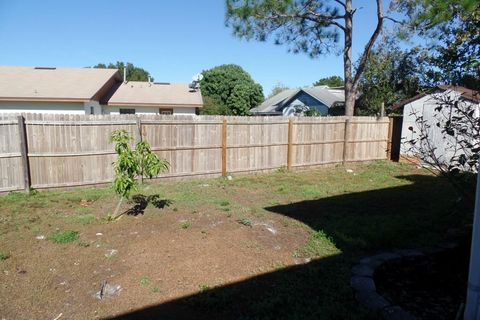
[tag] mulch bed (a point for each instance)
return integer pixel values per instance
(429, 287)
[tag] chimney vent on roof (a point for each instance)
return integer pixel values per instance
(125, 74)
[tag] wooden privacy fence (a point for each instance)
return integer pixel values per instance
(48, 150)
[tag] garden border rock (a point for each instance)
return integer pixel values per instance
(363, 283)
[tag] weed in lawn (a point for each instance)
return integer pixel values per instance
(204, 287)
(175, 209)
(246, 222)
(145, 281)
(226, 209)
(64, 237)
(4, 256)
(156, 290)
(185, 224)
(84, 244)
(83, 210)
(224, 203)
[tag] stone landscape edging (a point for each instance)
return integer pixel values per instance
(362, 281)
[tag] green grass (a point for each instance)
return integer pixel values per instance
(4, 256)
(204, 287)
(185, 224)
(64, 237)
(145, 281)
(245, 222)
(343, 217)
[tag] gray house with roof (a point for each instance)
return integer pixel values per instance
(327, 101)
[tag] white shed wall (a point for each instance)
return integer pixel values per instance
(426, 107)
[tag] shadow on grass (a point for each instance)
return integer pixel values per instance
(141, 202)
(358, 223)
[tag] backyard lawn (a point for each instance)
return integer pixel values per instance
(270, 246)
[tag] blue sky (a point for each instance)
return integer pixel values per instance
(173, 40)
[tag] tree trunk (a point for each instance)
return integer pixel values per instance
(347, 60)
(117, 209)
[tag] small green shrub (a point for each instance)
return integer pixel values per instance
(64, 237)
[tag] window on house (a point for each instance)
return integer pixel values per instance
(92, 110)
(127, 111)
(165, 111)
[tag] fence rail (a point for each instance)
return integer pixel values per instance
(50, 150)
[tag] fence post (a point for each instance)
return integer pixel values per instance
(22, 133)
(289, 148)
(345, 140)
(139, 139)
(224, 148)
(389, 138)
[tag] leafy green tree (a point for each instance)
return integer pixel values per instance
(313, 27)
(131, 164)
(451, 26)
(332, 81)
(230, 90)
(391, 75)
(277, 88)
(133, 73)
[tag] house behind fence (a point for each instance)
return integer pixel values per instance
(48, 151)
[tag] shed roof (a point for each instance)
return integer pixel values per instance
(465, 93)
(137, 93)
(53, 84)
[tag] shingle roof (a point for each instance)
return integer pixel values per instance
(52, 84)
(275, 104)
(137, 93)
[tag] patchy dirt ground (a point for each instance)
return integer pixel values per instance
(270, 246)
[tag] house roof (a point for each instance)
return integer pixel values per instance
(137, 93)
(464, 93)
(324, 94)
(54, 84)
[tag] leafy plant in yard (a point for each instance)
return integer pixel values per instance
(64, 237)
(131, 164)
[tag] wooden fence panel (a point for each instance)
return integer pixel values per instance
(256, 143)
(368, 139)
(11, 168)
(192, 145)
(72, 150)
(318, 141)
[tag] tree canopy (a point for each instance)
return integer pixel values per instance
(133, 73)
(391, 75)
(451, 26)
(332, 81)
(229, 90)
(313, 27)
